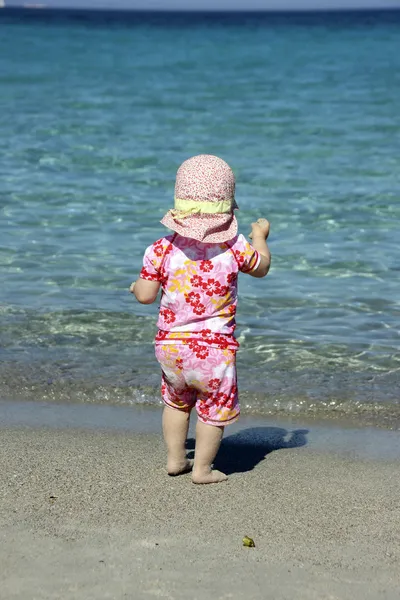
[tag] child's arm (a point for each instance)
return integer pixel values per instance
(259, 236)
(145, 291)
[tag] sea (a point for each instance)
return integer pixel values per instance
(97, 112)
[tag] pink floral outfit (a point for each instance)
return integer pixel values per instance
(195, 343)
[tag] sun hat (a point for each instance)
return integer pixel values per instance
(204, 200)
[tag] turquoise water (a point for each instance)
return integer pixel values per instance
(95, 118)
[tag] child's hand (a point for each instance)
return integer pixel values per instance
(132, 287)
(260, 228)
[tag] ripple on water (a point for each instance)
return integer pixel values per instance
(90, 142)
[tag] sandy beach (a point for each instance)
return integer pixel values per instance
(92, 514)
(99, 108)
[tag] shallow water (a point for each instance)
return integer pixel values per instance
(96, 117)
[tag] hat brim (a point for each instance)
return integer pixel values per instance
(210, 229)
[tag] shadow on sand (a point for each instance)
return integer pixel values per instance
(242, 451)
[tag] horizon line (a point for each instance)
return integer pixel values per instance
(42, 7)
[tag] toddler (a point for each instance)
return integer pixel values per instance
(197, 269)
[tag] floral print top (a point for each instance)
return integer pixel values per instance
(199, 288)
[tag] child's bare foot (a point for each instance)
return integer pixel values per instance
(175, 467)
(211, 476)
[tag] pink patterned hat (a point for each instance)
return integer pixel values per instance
(204, 200)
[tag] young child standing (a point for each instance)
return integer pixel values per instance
(197, 268)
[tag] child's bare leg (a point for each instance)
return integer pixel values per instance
(208, 441)
(175, 429)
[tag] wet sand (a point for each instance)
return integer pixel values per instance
(92, 515)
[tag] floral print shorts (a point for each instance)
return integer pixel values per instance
(200, 376)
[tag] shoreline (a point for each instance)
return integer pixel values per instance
(91, 514)
(337, 436)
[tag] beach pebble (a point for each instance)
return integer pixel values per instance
(248, 542)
